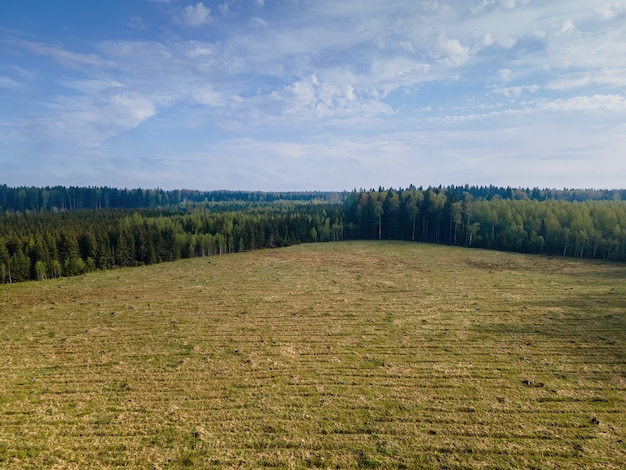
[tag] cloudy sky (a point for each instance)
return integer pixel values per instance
(313, 94)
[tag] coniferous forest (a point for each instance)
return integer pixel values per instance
(66, 231)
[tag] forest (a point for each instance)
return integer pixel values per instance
(59, 231)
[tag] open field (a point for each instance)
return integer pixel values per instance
(342, 355)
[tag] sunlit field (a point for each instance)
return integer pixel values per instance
(336, 355)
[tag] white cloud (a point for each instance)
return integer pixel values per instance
(407, 46)
(455, 54)
(335, 69)
(611, 11)
(505, 74)
(256, 22)
(513, 3)
(9, 83)
(306, 102)
(390, 73)
(484, 4)
(568, 25)
(68, 58)
(137, 22)
(587, 103)
(207, 96)
(194, 15)
(224, 8)
(515, 91)
(602, 51)
(487, 39)
(508, 42)
(196, 50)
(611, 78)
(593, 106)
(88, 121)
(93, 86)
(129, 110)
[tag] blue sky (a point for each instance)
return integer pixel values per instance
(313, 94)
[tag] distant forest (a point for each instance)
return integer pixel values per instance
(65, 231)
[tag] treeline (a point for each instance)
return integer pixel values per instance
(61, 198)
(494, 192)
(40, 244)
(593, 228)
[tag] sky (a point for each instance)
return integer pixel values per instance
(292, 95)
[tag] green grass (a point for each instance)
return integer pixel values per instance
(344, 355)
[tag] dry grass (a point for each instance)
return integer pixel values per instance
(388, 355)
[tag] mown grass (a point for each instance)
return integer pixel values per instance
(344, 355)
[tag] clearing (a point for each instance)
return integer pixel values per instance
(335, 355)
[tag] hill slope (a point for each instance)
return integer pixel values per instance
(365, 354)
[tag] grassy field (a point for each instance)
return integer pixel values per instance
(343, 355)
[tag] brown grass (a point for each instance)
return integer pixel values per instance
(388, 355)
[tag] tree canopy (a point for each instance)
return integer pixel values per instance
(52, 232)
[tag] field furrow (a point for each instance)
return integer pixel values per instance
(338, 355)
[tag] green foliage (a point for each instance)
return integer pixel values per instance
(49, 245)
(19, 266)
(590, 229)
(39, 245)
(60, 198)
(41, 270)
